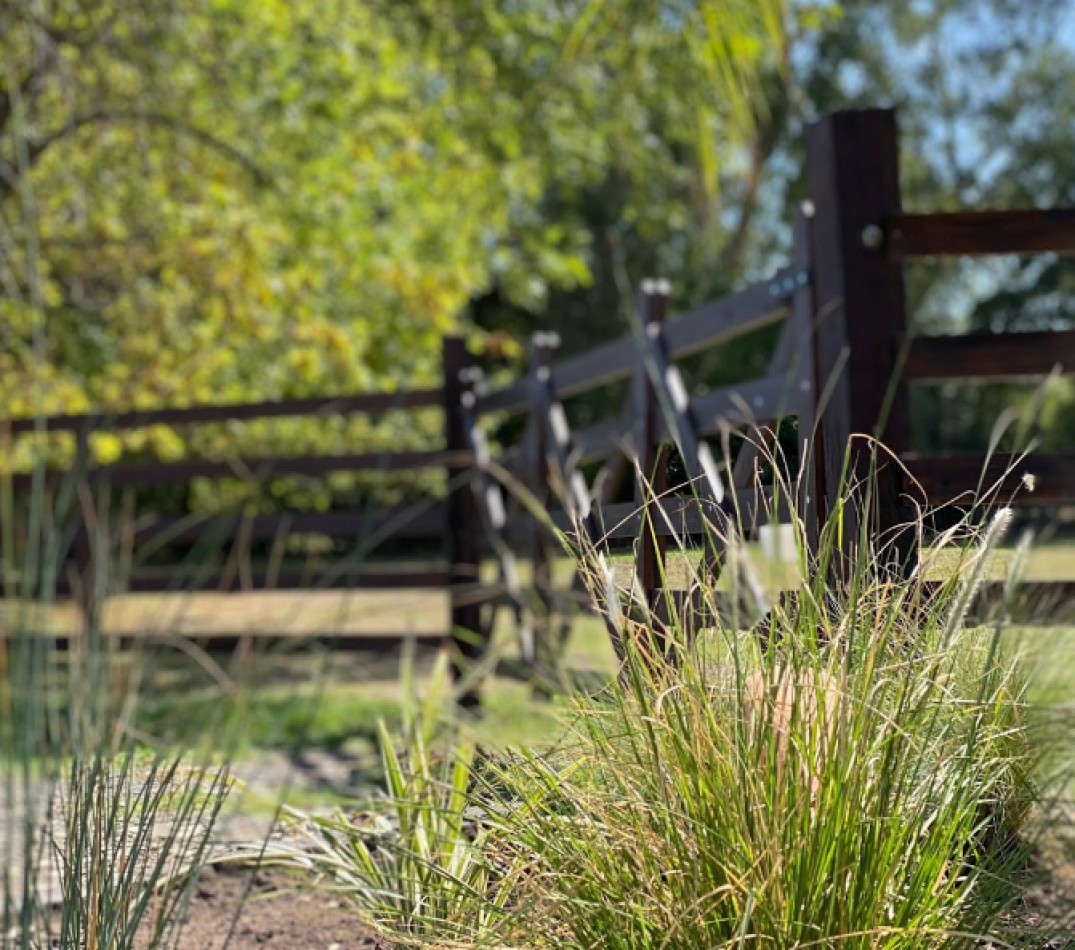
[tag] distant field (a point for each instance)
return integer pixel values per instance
(392, 612)
(332, 701)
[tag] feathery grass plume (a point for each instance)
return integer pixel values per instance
(976, 569)
(835, 791)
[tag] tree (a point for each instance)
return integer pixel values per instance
(985, 122)
(221, 201)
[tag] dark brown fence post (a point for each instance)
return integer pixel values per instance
(462, 524)
(652, 483)
(854, 185)
(543, 349)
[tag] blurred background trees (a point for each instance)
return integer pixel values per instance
(218, 200)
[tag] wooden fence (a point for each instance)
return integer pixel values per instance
(841, 306)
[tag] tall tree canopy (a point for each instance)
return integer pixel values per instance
(219, 200)
(222, 200)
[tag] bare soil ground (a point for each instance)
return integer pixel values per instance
(239, 908)
(243, 909)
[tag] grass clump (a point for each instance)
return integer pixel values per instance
(867, 779)
(101, 837)
(417, 861)
(855, 807)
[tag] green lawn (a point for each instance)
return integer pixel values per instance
(390, 612)
(332, 702)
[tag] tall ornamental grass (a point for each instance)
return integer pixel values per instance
(865, 775)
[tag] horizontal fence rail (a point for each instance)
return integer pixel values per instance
(369, 403)
(961, 233)
(758, 401)
(682, 515)
(276, 642)
(761, 400)
(319, 577)
(990, 356)
(129, 474)
(341, 525)
(1036, 479)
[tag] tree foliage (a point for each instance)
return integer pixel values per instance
(222, 201)
(219, 201)
(983, 90)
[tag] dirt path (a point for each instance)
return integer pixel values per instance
(232, 904)
(275, 912)
(245, 821)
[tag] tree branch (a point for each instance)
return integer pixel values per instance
(107, 116)
(43, 60)
(71, 36)
(736, 243)
(23, 88)
(768, 126)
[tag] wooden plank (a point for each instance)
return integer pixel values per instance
(514, 459)
(760, 400)
(713, 323)
(543, 350)
(218, 644)
(490, 497)
(673, 514)
(342, 525)
(860, 307)
(592, 443)
(604, 364)
(124, 474)
(338, 643)
(370, 403)
(960, 233)
(511, 399)
(559, 449)
(607, 484)
(716, 322)
(1031, 602)
(734, 315)
(990, 355)
(944, 478)
(600, 439)
(699, 464)
(794, 356)
(651, 479)
(357, 577)
(761, 436)
(677, 513)
(556, 443)
(811, 503)
(683, 515)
